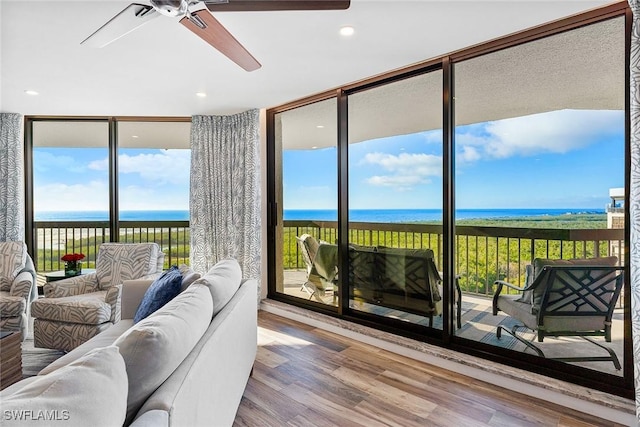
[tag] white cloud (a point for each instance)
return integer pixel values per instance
(91, 196)
(44, 161)
(165, 166)
(553, 132)
(406, 170)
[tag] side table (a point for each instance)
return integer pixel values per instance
(10, 358)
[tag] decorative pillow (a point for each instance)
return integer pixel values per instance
(223, 280)
(91, 391)
(153, 348)
(161, 291)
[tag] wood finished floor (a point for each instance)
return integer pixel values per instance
(304, 376)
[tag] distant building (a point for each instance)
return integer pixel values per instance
(615, 218)
(615, 210)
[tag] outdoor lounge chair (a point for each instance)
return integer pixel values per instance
(321, 260)
(564, 298)
(399, 278)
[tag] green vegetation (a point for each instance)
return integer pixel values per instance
(482, 255)
(174, 243)
(569, 221)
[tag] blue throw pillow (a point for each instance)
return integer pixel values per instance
(161, 291)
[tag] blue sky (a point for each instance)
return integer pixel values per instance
(560, 159)
(76, 179)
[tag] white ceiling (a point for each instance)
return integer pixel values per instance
(157, 69)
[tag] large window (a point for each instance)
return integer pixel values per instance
(97, 180)
(443, 188)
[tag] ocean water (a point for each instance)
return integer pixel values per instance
(355, 215)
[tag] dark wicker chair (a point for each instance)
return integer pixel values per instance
(564, 298)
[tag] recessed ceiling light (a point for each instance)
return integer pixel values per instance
(320, 127)
(31, 92)
(134, 136)
(314, 147)
(201, 94)
(347, 31)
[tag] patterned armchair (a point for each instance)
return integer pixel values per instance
(17, 286)
(76, 309)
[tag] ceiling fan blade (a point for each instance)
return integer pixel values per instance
(220, 38)
(130, 18)
(269, 5)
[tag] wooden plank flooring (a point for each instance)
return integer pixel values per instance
(304, 376)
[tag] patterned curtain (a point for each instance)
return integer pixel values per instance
(11, 178)
(225, 191)
(634, 196)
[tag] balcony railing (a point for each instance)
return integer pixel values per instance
(483, 254)
(54, 239)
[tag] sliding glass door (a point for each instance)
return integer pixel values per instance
(395, 200)
(306, 198)
(540, 166)
(463, 200)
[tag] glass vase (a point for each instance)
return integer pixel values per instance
(72, 268)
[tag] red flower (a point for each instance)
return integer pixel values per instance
(72, 257)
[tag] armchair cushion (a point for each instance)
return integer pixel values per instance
(72, 286)
(161, 291)
(90, 309)
(11, 306)
(118, 262)
(13, 258)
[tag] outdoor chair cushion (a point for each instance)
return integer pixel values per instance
(540, 263)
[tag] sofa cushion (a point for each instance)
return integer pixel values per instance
(161, 291)
(154, 347)
(188, 276)
(11, 306)
(88, 309)
(91, 391)
(223, 280)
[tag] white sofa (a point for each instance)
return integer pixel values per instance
(187, 364)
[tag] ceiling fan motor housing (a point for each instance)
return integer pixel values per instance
(171, 8)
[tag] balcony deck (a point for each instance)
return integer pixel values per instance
(479, 324)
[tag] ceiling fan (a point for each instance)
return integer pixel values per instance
(201, 22)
